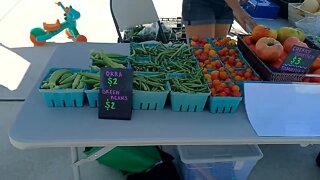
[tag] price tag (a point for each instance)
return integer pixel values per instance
(299, 60)
(115, 97)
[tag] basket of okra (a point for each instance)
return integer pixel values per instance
(63, 87)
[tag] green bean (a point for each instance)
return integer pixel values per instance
(149, 82)
(187, 85)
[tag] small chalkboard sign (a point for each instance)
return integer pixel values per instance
(115, 97)
(299, 60)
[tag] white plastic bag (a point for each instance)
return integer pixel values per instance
(310, 25)
(149, 32)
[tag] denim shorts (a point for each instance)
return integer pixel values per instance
(195, 12)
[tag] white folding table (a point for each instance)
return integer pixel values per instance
(38, 126)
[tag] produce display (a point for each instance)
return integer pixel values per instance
(225, 70)
(222, 65)
(184, 77)
(205, 70)
(160, 70)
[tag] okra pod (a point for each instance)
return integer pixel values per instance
(63, 77)
(76, 81)
(70, 79)
(63, 86)
(55, 76)
(90, 75)
(81, 83)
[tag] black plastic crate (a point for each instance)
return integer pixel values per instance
(310, 41)
(177, 27)
(284, 6)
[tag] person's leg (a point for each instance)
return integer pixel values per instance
(202, 30)
(224, 20)
(222, 30)
(199, 18)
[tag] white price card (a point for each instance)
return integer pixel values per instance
(12, 68)
(283, 109)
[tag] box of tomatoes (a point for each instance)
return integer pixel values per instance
(269, 71)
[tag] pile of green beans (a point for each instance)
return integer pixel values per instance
(173, 66)
(145, 66)
(149, 82)
(147, 50)
(188, 85)
(174, 58)
(160, 51)
(176, 51)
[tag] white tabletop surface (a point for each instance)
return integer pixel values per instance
(39, 126)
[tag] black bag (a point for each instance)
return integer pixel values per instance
(164, 170)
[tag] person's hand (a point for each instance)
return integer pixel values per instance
(244, 19)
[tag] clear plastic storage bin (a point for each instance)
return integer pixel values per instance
(229, 162)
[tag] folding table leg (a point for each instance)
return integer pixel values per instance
(76, 162)
(74, 159)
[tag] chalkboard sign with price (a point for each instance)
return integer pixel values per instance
(115, 96)
(299, 60)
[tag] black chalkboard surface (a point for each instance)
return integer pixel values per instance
(115, 95)
(299, 60)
